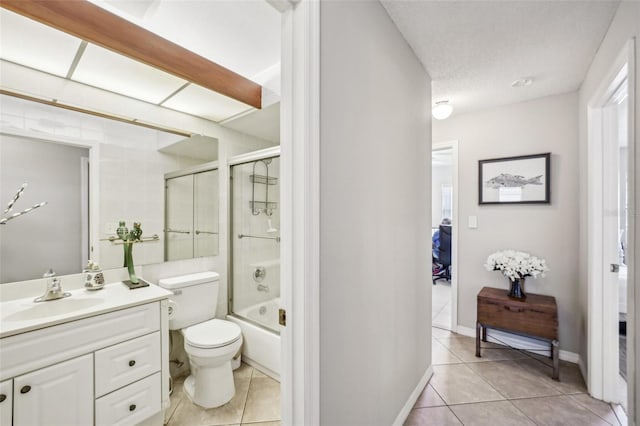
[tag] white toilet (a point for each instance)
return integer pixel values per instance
(210, 343)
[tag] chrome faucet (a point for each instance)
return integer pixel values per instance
(264, 288)
(54, 288)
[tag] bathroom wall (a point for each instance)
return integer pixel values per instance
(375, 180)
(30, 244)
(550, 231)
(624, 26)
(123, 146)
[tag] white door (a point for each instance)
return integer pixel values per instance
(610, 287)
(61, 394)
(615, 201)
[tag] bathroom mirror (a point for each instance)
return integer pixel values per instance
(121, 158)
(74, 161)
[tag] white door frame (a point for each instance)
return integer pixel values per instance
(453, 145)
(300, 221)
(602, 328)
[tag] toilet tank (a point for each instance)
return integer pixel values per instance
(195, 297)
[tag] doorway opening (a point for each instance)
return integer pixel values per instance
(444, 225)
(610, 291)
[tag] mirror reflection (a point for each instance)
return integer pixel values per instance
(93, 173)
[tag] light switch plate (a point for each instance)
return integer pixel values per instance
(473, 222)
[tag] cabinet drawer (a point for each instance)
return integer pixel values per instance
(130, 405)
(119, 365)
(6, 402)
(519, 318)
(36, 349)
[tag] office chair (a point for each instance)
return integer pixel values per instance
(444, 255)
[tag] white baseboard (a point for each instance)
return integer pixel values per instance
(520, 342)
(406, 410)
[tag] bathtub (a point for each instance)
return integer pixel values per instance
(261, 348)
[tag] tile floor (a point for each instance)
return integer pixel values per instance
(256, 403)
(441, 304)
(504, 387)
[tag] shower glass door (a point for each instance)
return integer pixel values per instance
(255, 241)
(179, 218)
(205, 214)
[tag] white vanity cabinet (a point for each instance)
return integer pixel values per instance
(60, 394)
(106, 369)
(6, 402)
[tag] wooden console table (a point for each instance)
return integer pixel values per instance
(536, 316)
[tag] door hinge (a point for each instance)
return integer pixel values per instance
(614, 267)
(282, 317)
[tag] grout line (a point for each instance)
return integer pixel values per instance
(523, 413)
(244, 407)
(593, 412)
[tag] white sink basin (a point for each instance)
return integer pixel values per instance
(22, 315)
(53, 308)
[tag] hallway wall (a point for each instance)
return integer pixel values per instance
(375, 180)
(550, 231)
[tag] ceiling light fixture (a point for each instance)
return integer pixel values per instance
(522, 82)
(442, 110)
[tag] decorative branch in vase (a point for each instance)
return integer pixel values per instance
(129, 238)
(516, 266)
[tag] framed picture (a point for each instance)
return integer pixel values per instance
(515, 180)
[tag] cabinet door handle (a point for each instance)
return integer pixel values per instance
(25, 389)
(3, 397)
(511, 309)
(132, 363)
(132, 407)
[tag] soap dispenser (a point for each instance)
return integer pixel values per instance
(94, 280)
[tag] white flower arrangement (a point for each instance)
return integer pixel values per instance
(516, 264)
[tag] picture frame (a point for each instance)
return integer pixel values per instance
(524, 179)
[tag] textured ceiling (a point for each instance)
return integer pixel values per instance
(474, 50)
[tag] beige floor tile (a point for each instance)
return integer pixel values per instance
(257, 374)
(434, 416)
(190, 414)
(429, 398)
(458, 384)
(245, 371)
(557, 410)
(263, 401)
(278, 423)
(442, 355)
(440, 333)
(176, 398)
(512, 380)
(500, 413)
(597, 407)
(465, 348)
(570, 382)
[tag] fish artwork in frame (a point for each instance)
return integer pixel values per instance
(515, 180)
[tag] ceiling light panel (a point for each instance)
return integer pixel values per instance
(110, 71)
(201, 102)
(30, 43)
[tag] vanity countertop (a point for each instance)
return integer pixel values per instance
(23, 315)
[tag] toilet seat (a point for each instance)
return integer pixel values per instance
(212, 334)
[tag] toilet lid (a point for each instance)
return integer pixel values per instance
(212, 334)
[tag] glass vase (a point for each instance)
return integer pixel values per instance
(516, 289)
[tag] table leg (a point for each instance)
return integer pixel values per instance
(556, 359)
(478, 332)
(484, 334)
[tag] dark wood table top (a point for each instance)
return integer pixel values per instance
(499, 294)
